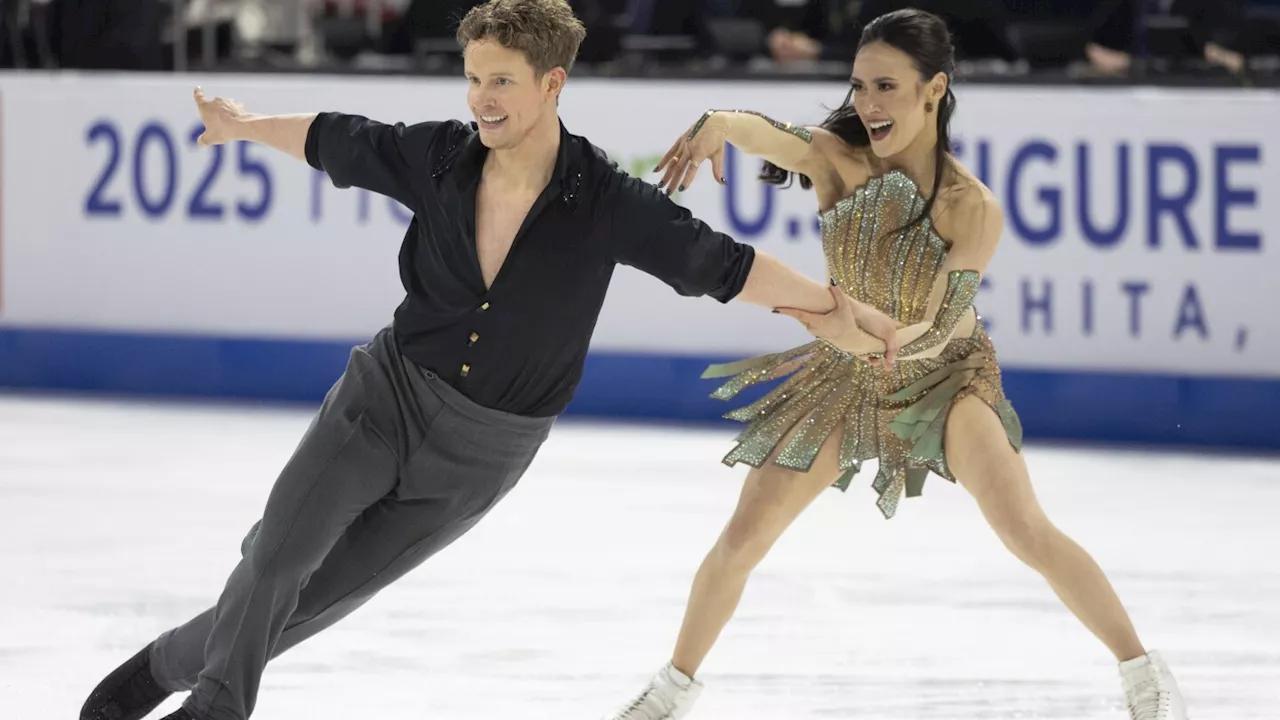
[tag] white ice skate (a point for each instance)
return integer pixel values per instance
(1150, 690)
(668, 696)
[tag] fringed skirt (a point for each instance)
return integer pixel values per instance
(897, 418)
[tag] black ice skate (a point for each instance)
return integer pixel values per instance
(128, 693)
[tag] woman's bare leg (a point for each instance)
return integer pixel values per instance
(772, 497)
(982, 460)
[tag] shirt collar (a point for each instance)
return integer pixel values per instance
(469, 160)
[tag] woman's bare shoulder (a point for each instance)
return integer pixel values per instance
(849, 168)
(965, 207)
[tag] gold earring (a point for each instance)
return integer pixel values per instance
(928, 106)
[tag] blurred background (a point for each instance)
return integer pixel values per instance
(170, 316)
(1048, 40)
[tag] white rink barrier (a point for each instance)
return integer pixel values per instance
(1132, 298)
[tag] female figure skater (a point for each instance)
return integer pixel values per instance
(918, 257)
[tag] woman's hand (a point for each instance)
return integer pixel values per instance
(704, 140)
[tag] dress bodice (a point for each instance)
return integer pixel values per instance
(874, 262)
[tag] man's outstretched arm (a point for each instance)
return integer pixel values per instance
(226, 121)
(352, 150)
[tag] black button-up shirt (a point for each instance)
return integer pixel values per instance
(520, 345)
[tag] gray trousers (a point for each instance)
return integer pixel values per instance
(394, 467)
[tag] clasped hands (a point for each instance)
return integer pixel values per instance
(854, 327)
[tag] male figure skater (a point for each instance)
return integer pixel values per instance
(516, 230)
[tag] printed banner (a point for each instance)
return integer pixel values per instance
(1136, 230)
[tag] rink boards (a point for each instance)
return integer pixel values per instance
(1133, 297)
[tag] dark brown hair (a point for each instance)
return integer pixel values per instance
(545, 31)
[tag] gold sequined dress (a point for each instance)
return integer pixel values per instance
(897, 417)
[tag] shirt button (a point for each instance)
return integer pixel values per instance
(483, 307)
(474, 338)
(465, 369)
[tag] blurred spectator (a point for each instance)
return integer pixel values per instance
(89, 34)
(1210, 29)
(979, 28)
(432, 19)
(437, 20)
(1111, 36)
(809, 30)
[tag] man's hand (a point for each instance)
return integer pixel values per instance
(845, 321)
(221, 118)
(877, 324)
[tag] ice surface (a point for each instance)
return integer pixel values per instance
(121, 520)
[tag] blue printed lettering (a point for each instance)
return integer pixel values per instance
(156, 185)
(1086, 316)
(1042, 304)
(200, 206)
(1049, 195)
(96, 203)
(1135, 289)
(399, 211)
(1185, 311)
(1092, 234)
(1172, 187)
(1178, 205)
(1228, 196)
(153, 133)
(984, 162)
(1190, 314)
(364, 212)
(141, 170)
(744, 228)
(362, 206)
(984, 285)
(256, 169)
(317, 192)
